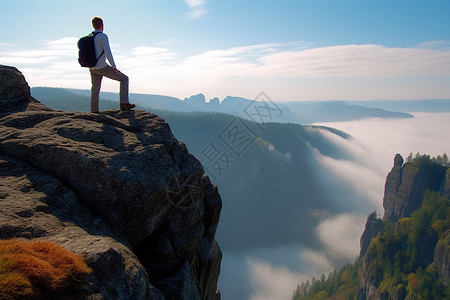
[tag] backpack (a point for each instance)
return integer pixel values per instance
(86, 52)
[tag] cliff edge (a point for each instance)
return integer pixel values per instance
(116, 187)
(405, 234)
(406, 185)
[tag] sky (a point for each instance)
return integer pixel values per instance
(291, 50)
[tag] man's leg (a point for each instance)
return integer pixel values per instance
(109, 72)
(96, 80)
(124, 88)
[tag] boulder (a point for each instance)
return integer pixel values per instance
(14, 91)
(13, 85)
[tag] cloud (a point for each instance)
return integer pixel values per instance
(340, 235)
(360, 181)
(425, 133)
(270, 273)
(5, 45)
(273, 273)
(197, 13)
(357, 61)
(334, 61)
(195, 3)
(271, 282)
(52, 52)
(361, 167)
(54, 64)
(197, 8)
(442, 45)
(283, 69)
(316, 263)
(285, 157)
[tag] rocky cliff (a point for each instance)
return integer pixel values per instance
(116, 187)
(406, 185)
(403, 193)
(373, 227)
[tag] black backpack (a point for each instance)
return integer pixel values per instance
(86, 52)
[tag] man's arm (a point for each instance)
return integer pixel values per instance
(107, 49)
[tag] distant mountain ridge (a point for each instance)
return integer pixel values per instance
(425, 105)
(260, 109)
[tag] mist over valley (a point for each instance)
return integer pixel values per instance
(295, 196)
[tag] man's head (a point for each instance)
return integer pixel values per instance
(97, 23)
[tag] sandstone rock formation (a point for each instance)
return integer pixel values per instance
(442, 257)
(404, 190)
(373, 227)
(405, 186)
(117, 187)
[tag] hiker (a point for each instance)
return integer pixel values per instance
(103, 69)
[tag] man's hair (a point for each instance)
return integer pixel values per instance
(97, 22)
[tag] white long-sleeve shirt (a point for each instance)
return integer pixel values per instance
(101, 43)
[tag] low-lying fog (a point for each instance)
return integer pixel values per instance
(273, 273)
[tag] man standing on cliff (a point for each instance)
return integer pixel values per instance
(103, 69)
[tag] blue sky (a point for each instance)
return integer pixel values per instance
(291, 50)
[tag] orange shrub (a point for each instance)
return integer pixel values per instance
(39, 269)
(14, 285)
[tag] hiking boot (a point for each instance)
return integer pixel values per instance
(127, 106)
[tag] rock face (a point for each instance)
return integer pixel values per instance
(404, 191)
(14, 91)
(13, 85)
(373, 227)
(116, 187)
(405, 186)
(196, 100)
(442, 257)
